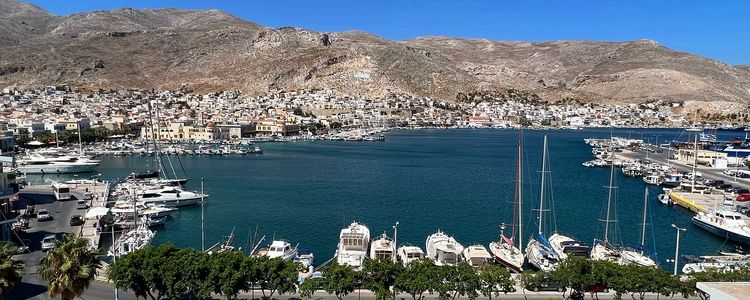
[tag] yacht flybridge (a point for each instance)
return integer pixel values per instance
(443, 249)
(383, 248)
(354, 241)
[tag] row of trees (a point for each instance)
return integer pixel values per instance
(168, 272)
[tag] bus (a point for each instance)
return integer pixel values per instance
(61, 191)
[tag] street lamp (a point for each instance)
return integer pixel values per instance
(395, 240)
(677, 247)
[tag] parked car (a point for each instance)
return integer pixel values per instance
(82, 204)
(714, 183)
(725, 187)
(77, 220)
(545, 284)
(739, 190)
(43, 215)
(744, 197)
(597, 288)
(48, 242)
(88, 196)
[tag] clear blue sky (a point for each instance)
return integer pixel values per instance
(713, 28)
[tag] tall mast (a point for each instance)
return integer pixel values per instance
(541, 190)
(520, 193)
(80, 144)
(643, 229)
(609, 202)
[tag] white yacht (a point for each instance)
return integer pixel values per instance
(282, 249)
(603, 250)
(653, 179)
(565, 246)
(443, 249)
(354, 241)
(636, 256)
(408, 254)
(477, 256)
(726, 224)
(383, 248)
(37, 164)
(132, 240)
(126, 208)
(169, 196)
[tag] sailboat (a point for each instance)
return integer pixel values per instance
(602, 249)
(132, 239)
(504, 251)
(539, 251)
(636, 256)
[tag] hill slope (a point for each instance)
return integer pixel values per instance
(209, 50)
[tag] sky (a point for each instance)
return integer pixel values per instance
(716, 29)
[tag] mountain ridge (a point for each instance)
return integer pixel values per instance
(212, 50)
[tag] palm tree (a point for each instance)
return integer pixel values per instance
(69, 267)
(11, 271)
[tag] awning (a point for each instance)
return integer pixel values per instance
(97, 212)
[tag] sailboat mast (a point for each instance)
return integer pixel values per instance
(541, 189)
(609, 201)
(643, 229)
(80, 144)
(520, 193)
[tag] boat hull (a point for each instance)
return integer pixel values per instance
(737, 238)
(57, 169)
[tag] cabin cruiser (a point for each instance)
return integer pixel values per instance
(131, 241)
(305, 258)
(282, 249)
(726, 224)
(477, 256)
(170, 196)
(37, 164)
(443, 249)
(653, 179)
(565, 246)
(354, 241)
(672, 179)
(408, 254)
(383, 248)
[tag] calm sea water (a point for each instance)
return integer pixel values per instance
(458, 181)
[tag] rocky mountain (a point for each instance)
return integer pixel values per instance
(211, 50)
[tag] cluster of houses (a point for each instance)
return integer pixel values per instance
(176, 115)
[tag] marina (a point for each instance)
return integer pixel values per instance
(491, 171)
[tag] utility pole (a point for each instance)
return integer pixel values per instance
(114, 258)
(677, 247)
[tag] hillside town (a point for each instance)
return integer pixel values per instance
(228, 115)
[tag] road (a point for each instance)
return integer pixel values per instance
(707, 172)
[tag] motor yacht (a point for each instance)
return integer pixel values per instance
(169, 196)
(37, 164)
(443, 249)
(565, 246)
(354, 241)
(477, 256)
(408, 254)
(382, 248)
(726, 224)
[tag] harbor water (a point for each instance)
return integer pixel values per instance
(460, 181)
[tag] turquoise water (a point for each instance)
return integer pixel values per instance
(459, 181)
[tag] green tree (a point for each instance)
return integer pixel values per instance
(69, 267)
(225, 274)
(11, 271)
(143, 271)
(418, 277)
(458, 280)
(310, 286)
(380, 275)
(340, 280)
(494, 279)
(277, 275)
